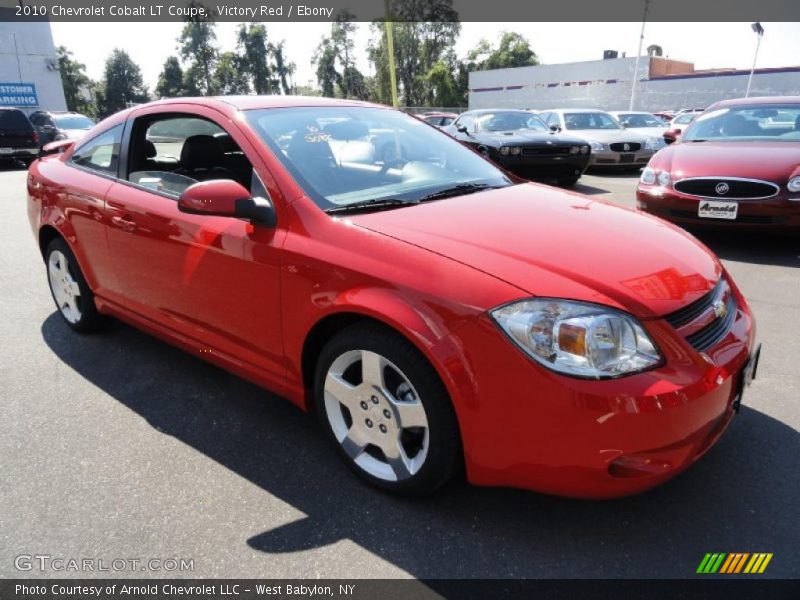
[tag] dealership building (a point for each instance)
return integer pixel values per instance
(664, 84)
(29, 75)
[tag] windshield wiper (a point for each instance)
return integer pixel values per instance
(458, 190)
(700, 140)
(373, 204)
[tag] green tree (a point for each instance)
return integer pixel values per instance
(122, 84)
(283, 68)
(514, 50)
(77, 85)
(197, 45)
(337, 73)
(170, 82)
(255, 50)
(327, 75)
(425, 33)
(229, 76)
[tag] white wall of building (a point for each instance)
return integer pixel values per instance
(32, 60)
(606, 84)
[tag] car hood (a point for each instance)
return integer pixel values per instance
(522, 136)
(773, 161)
(552, 243)
(610, 136)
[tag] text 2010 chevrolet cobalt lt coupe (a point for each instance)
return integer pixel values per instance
(435, 314)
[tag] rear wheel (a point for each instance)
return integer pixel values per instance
(387, 411)
(71, 293)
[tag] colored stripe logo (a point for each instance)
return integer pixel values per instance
(736, 562)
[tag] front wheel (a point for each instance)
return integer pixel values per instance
(71, 293)
(387, 411)
(568, 182)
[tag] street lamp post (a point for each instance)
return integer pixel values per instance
(638, 57)
(759, 31)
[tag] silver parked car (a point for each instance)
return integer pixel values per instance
(645, 123)
(612, 144)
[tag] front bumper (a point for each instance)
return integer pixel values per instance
(609, 158)
(779, 212)
(532, 428)
(544, 166)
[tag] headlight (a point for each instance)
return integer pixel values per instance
(654, 143)
(578, 338)
(648, 176)
(515, 150)
(794, 184)
(575, 149)
(504, 150)
(597, 147)
(584, 149)
(663, 178)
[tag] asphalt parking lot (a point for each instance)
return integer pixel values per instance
(119, 446)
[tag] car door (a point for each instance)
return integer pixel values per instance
(212, 279)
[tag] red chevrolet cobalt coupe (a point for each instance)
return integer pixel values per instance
(737, 165)
(433, 312)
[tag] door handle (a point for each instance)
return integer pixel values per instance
(123, 223)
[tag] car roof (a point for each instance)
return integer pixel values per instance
(576, 110)
(757, 100)
(483, 111)
(628, 112)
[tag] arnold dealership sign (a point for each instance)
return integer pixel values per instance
(18, 94)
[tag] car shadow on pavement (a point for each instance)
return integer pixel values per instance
(765, 248)
(741, 497)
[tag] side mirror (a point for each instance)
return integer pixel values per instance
(462, 129)
(624, 124)
(226, 198)
(555, 128)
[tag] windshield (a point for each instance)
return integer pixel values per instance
(639, 120)
(74, 122)
(509, 121)
(589, 120)
(684, 119)
(763, 122)
(343, 155)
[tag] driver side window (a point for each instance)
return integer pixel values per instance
(170, 153)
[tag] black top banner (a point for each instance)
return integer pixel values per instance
(401, 10)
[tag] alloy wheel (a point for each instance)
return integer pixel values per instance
(65, 288)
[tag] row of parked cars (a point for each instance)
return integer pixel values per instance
(22, 137)
(557, 144)
(737, 161)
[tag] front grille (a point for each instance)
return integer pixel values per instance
(708, 336)
(726, 188)
(545, 150)
(620, 146)
(699, 311)
(690, 312)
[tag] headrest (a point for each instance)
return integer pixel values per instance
(346, 130)
(150, 149)
(201, 152)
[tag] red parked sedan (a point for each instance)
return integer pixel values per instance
(433, 312)
(738, 165)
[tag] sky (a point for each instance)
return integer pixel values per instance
(708, 45)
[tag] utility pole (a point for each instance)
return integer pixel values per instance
(759, 31)
(390, 51)
(638, 56)
(16, 53)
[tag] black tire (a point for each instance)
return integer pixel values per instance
(444, 453)
(89, 319)
(568, 182)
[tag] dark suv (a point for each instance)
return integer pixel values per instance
(57, 125)
(18, 139)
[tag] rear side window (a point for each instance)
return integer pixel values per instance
(100, 153)
(14, 120)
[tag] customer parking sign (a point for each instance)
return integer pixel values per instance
(20, 95)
